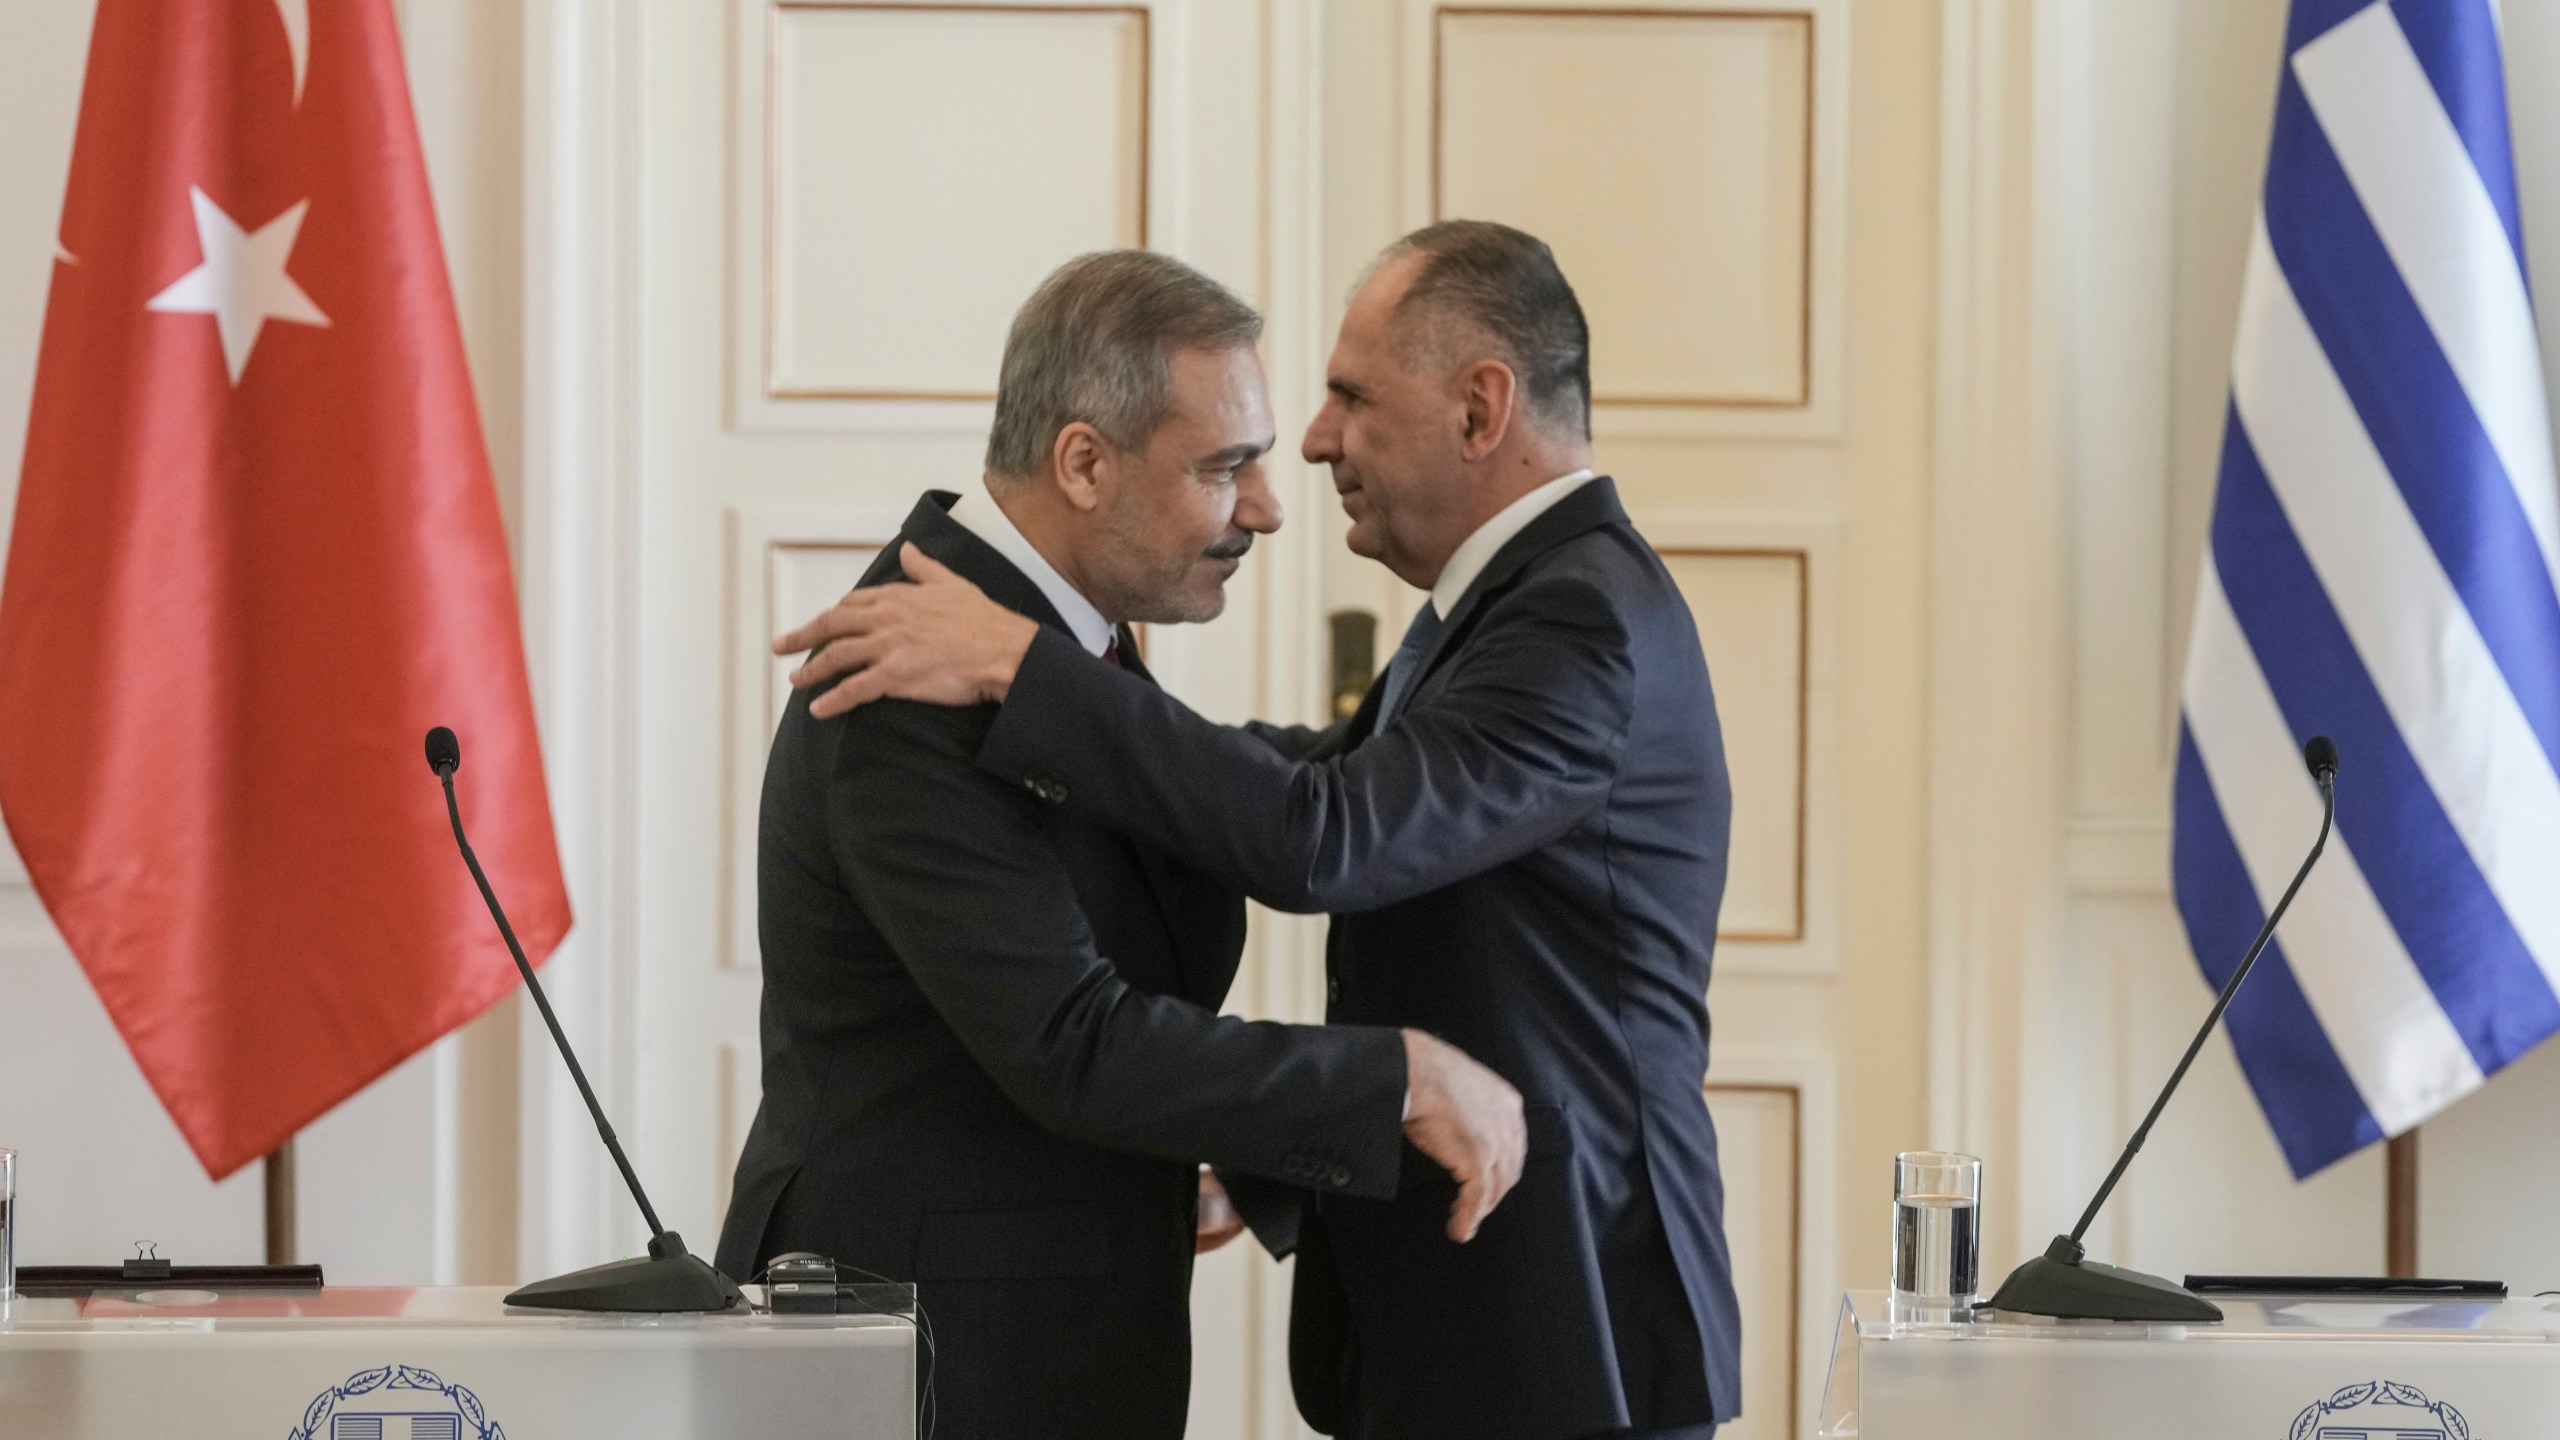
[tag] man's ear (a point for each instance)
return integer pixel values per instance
(1490, 394)
(1083, 463)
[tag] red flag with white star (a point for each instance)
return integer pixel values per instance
(257, 555)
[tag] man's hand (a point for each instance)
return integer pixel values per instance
(1467, 1118)
(937, 639)
(1217, 1221)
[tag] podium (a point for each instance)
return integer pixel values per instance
(2276, 1369)
(442, 1364)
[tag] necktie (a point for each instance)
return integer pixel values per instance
(1408, 660)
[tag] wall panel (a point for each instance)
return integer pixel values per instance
(1750, 606)
(1682, 202)
(926, 165)
(1760, 1140)
(803, 577)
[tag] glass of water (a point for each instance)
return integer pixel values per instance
(1937, 1228)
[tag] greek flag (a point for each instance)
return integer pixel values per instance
(2385, 537)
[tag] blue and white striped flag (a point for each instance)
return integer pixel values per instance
(2381, 568)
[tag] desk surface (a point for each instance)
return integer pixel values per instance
(2533, 1320)
(362, 1309)
(2274, 1367)
(448, 1362)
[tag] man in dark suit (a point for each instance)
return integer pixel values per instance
(991, 1062)
(1522, 833)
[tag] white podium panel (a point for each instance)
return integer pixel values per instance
(443, 1365)
(2274, 1370)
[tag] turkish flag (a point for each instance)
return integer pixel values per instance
(257, 555)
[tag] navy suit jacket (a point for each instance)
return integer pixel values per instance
(991, 1066)
(1526, 861)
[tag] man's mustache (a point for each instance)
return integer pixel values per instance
(1231, 549)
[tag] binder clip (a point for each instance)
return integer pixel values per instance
(146, 1266)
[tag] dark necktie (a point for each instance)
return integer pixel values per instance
(1401, 671)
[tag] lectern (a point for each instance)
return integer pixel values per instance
(2273, 1369)
(443, 1364)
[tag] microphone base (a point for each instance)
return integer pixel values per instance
(667, 1281)
(2061, 1284)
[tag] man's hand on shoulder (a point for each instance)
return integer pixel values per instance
(1467, 1118)
(937, 639)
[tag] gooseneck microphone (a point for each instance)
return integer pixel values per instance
(2061, 1281)
(670, 1280)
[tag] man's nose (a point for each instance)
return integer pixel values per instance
(1257, 508)
(1323, 444)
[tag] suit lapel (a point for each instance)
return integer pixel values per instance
(1190, 934)
(1586, 509)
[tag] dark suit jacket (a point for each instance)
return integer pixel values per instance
(1526, 861)
(960, 1089)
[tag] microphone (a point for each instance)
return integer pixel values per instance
(2322, 756)
(444, 752)
(2062, 1282)
(670, 1280)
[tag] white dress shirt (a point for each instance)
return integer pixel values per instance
(1477, 550)
(979, 514)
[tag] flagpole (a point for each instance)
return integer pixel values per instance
(280, 1195)
(2400, 1205)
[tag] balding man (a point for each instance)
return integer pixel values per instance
(991, 1064)
(1522, 833)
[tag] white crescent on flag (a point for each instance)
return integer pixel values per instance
(297, 34)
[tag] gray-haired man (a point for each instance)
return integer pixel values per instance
(991, 1062)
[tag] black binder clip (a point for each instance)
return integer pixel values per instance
(146, 1264)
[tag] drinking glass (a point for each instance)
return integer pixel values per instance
(1937, 1227)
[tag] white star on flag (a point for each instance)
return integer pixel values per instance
(241, 283)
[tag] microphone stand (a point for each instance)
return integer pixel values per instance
(670, 1280)
(2062, 1281)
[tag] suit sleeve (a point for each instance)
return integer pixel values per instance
(1519, 744)
(1276, 1214)
(1296, 742)
(955, 870)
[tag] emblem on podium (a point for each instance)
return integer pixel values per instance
(2380, 1410)
(396, 1402)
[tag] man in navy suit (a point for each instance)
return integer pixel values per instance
(1522, 835)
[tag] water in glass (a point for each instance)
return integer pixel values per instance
(1937, 1246)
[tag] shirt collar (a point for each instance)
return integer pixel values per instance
(979, 514)
(1477, 550)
